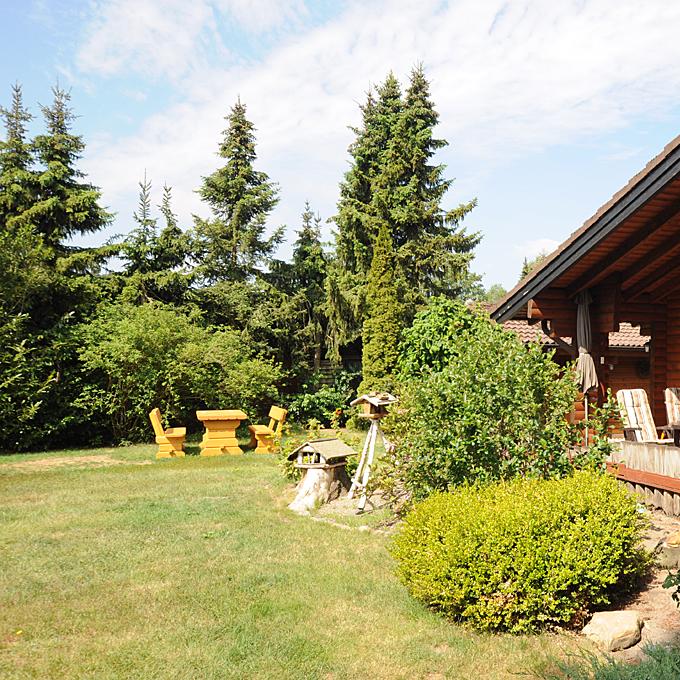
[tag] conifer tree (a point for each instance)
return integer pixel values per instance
(393, 182)
(154, 263)
(18, 182)
(232, 245)
(139, 245)
(67, 206)
(357, 227)
(384, 321)
(433, 251)
(172, 247)
(309, 276)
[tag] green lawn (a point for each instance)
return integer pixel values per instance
(195, 568)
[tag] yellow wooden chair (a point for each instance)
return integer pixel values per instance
(267, 436)
(171, 441)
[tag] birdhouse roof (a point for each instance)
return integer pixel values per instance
(375, 399)
(329, 448)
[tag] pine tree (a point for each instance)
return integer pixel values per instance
(433, 251)
(66, 206)
(309, 276)
(18, 181)
(153, 263)
(357, 226)
(384, 322)
(232, 246)
(393, 183)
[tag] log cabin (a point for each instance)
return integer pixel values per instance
(627, 256)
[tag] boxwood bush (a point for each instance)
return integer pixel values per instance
(522, 555)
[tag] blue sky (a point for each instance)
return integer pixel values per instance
(548, 107)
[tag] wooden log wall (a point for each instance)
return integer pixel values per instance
(663, 335)
(672, 348)
(659, 459)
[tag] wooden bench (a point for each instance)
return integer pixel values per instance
(266, 437)
(171, 441)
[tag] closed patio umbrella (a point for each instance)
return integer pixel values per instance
(586, 375)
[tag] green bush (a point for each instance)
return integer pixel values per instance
(152, 355)
(326, 404)
(478, 405)
(522, 555)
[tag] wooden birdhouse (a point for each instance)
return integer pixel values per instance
(374, 404)
(322, 453)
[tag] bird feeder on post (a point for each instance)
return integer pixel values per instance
(374, 407)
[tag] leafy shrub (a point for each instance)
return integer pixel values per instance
(26, 377)
(488, 408)
(431, 342)
(147, 356)
(326, 404)
(522, 555)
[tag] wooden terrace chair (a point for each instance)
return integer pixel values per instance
(638, 423)
(267, 436)
(672, 399)
(171, 441)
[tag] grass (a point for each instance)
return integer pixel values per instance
(661, 663)
(195, 568)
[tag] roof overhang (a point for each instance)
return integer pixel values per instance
(659, 173)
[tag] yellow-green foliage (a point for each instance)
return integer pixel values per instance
(522, 555)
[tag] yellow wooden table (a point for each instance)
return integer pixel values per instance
(220, 432)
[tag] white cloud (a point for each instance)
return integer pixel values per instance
(535, 247)
(507, 78)
(170, 38)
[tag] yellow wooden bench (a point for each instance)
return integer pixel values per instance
(171, 441)
(267, 436)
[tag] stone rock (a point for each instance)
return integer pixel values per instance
(652, 544)
(614, 630)
(674, 539)
(668, 556)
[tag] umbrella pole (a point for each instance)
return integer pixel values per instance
(585, 399)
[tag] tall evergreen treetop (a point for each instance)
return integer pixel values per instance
(357, 229)
(172, 246)
(67, 206)
(17, 180)
(138, 247)
(432, 249)
(393, 183)
(241, 198)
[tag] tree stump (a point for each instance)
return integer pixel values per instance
(320, 485)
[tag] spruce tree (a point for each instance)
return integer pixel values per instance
(433, 251)
(18, 181)
(393, 182)
(309, 276)
(172, 247)
(384, 322)
(357, 227)
(138, 247)
(67, 206)
(153, 263)
(232, 245)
